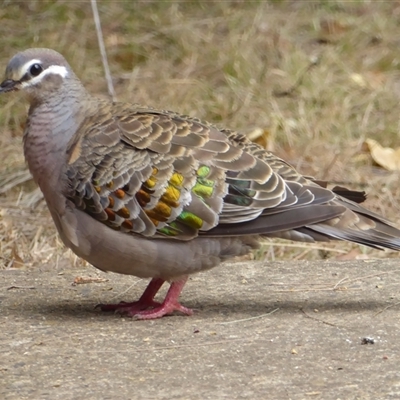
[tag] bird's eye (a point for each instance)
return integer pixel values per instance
(35, 69)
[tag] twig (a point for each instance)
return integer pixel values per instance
(335, 287)
(15, 179)
(96, 17)
(315, 61)
(310, 246)
(302, 254)
(317, 319)
(339, 282)
(125, 291)
(179, 346)
(249, 319)
(364, 277)
(18, 287)
(305, 290)
(331, 164)
(384, 309)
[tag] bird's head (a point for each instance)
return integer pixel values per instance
(38, 72)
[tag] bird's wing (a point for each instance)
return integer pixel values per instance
(160, 174)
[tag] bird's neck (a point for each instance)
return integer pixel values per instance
(50, 126)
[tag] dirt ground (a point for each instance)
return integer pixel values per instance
(282, 330)
(315, 79)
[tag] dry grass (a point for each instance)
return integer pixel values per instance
(228, 62)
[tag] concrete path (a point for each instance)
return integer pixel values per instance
(282, 330)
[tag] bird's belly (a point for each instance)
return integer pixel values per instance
(123, 253)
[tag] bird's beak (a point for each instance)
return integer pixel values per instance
(9, 85)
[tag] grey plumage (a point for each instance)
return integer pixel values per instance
(160, 195)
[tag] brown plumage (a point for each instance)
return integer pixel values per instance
(160, 195)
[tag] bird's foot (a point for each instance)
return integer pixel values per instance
(146, 301)
(129, 308)
(163, 309)
(140, 309)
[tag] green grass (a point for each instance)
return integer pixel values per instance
(225, 62)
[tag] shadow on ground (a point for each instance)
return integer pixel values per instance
(282, 330)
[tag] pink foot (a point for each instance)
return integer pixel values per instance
(145, 301)
(123, 307)
(158, 312)
(138, 309)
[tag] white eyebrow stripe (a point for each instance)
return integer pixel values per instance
(53, 69)
(24, 69)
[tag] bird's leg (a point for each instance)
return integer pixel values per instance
(168, 306)
(146, 300)
(138, 309)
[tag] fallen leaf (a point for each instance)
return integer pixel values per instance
(263, 137)
(333, 27)
(18, 262)
(358, 79)
(372, 79)
(80, 280)
(352, 255)
(386, 157)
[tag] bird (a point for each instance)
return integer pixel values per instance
(160, 195)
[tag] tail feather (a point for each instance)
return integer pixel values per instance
(339, 218)
(357, 225)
